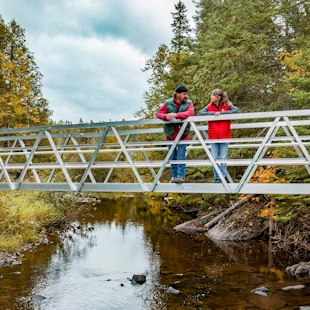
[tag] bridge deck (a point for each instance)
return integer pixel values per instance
(90, 157)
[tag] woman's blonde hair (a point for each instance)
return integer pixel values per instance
(222, 94)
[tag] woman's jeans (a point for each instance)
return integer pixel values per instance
(178, 170)
(219, 151)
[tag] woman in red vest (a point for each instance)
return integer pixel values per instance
(219, 105)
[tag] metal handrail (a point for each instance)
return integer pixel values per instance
(83, 157)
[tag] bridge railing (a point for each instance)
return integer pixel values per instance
(94, 157)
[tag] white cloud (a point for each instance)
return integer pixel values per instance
(100, 77)
(91, 52)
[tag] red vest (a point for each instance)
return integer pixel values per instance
(218, 129)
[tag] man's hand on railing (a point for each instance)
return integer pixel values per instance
(171, 116)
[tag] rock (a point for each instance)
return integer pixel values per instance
(260, 293)
(292, 288)
(304, 308)
(17, 262)
(38, 297)
(139, 278)
(172, 290)
(260, 289)
(263, 302)
(299, 270)
(303, 269)
(291, 269)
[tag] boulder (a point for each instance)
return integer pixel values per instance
(138, 278)
(303, 269)
(299, 270)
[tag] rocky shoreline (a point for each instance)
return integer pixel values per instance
(15, 258)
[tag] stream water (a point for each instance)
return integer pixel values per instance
(90, 267)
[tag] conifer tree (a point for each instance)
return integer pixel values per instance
(168, 65)
(237, 50)
(240, 45)
(181, 43)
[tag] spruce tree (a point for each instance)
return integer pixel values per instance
(237, 50)
(169, 65)
(181, 43)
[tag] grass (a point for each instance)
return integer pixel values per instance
(23, 217)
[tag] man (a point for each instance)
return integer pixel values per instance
(179, 107)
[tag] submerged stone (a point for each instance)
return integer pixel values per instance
(260, 293)
(38, 297)
(172, 290)
(260, 289)
(292, 288)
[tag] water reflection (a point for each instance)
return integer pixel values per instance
(90, 267)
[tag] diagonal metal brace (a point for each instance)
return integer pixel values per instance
(90, 163)
(6, 175)
(28, 161)
(167, 158)
(133, 167)
(60, 161)
(257, 154)
(215, 165)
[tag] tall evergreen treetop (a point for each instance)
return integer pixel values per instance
(181, 29)
(169, 64)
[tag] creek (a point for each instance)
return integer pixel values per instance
(89, 267)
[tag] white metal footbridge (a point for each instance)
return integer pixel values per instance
(94, 157)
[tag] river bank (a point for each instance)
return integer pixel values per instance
(29, 220)
(287, 226)
(89, 265)
(254, 219)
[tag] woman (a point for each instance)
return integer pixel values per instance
(219, 105)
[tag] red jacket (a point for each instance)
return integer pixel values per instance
(218, 129)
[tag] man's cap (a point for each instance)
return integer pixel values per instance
(181, 89)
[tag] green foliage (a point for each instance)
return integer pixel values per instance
(21, 100)
(291, 208)
(236, 50)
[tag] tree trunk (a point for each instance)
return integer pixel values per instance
(229, 210)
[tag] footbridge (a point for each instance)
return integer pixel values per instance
(95, 157)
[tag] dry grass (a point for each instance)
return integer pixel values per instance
(23, 216)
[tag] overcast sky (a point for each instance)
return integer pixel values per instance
(91, 52)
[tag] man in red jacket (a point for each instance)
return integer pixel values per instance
(219, 129)
(179, 107)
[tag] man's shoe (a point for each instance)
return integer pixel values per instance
(174, 180)
(217, 181)
(181, 180)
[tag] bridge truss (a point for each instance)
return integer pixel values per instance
(92, 157)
